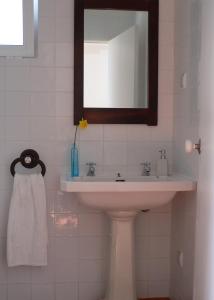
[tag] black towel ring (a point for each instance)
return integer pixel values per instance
(29, 159)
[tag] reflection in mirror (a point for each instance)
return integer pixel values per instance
(115, 59)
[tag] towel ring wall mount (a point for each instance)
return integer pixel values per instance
(29, 159)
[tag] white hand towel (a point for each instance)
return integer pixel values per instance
(27, 223)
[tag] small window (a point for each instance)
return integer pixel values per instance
(18, 27)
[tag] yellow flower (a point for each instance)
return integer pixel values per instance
(83, 123)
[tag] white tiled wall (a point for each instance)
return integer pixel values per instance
(186, 117)
(153, 252)
(36, 111)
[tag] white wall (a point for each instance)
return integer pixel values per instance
(186, 116)
(36, 111)
(122, 56)
(142, 62)
(203, 284)
(96, 87)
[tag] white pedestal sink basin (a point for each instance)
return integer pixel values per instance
(122, 201)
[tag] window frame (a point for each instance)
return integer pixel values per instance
(30, 33)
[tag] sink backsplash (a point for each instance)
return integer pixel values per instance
(117, 156)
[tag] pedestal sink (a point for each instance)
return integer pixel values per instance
(122, 201)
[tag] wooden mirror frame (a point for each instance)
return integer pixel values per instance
(148, 115)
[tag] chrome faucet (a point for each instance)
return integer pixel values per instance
(146, 169)
(91, 169)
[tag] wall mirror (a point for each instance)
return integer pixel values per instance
(116, 61)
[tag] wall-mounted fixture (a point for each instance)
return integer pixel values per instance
(190, 146)
(116, 61)
(29, 159)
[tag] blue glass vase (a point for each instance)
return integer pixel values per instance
(74, 161)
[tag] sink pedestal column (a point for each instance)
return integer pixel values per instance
(122, 268)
